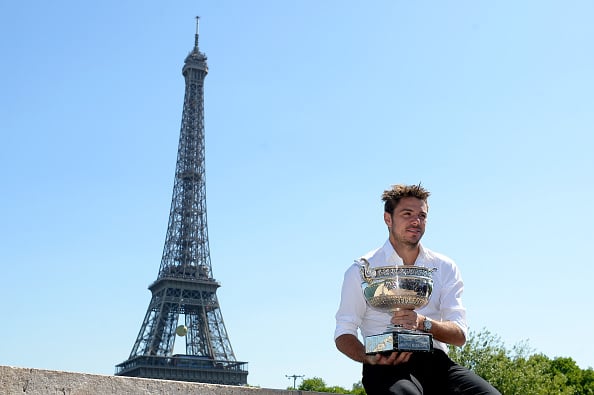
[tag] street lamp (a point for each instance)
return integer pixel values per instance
(294, 377)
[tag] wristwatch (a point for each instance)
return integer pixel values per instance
(427, 324)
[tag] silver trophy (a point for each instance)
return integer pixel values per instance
(392, 288)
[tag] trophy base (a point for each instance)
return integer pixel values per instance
(400, 340)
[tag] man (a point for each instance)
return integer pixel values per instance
(405, 215)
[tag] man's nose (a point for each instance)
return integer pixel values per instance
(416, 219)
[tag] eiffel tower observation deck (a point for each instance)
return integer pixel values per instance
(184, 303)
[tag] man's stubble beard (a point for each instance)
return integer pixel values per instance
(407, 243)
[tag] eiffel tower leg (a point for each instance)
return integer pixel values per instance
(157, 333)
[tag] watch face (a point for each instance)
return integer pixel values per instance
(427, 325)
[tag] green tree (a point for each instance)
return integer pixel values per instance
(580, 381)
(520, 370)
(313, 384)
(358, 389)
(318, 385)
(588, 381)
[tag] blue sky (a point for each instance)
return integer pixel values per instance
(312, 110)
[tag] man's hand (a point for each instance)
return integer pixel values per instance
(408, 319)
(352, 347)
(394, 358)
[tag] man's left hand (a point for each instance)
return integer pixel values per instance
(408, 319)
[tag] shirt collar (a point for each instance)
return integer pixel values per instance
(392, 257)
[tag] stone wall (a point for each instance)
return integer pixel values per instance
(48, 382)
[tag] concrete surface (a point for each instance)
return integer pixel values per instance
(27, 381)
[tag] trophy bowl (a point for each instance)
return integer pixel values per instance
(391, 288)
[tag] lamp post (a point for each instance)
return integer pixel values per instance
(294, 377)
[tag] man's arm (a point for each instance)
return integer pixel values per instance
(350, 346)
(444, 331)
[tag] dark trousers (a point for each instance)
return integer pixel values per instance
(424, 374)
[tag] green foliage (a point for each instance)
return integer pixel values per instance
(358, 389)
(316, 384)
(519, 370)
(313, 384)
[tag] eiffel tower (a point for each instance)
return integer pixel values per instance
(184, 301)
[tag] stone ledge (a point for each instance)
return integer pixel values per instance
(50, 382)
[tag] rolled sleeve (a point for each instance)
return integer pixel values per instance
(352, 304)
(452, 308)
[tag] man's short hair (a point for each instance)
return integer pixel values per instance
(391, 197)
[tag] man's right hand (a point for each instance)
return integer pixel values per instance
(395, 358)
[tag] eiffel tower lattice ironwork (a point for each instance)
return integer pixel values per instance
(184, 301)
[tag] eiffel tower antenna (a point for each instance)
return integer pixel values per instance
(197, 33)
(184, 300)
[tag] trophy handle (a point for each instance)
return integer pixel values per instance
(365, 269)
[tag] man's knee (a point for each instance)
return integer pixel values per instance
(406, 387)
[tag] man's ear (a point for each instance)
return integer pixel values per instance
(388, 219)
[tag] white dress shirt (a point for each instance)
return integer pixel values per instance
(445, 302)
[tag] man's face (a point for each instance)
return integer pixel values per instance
(407, 224)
